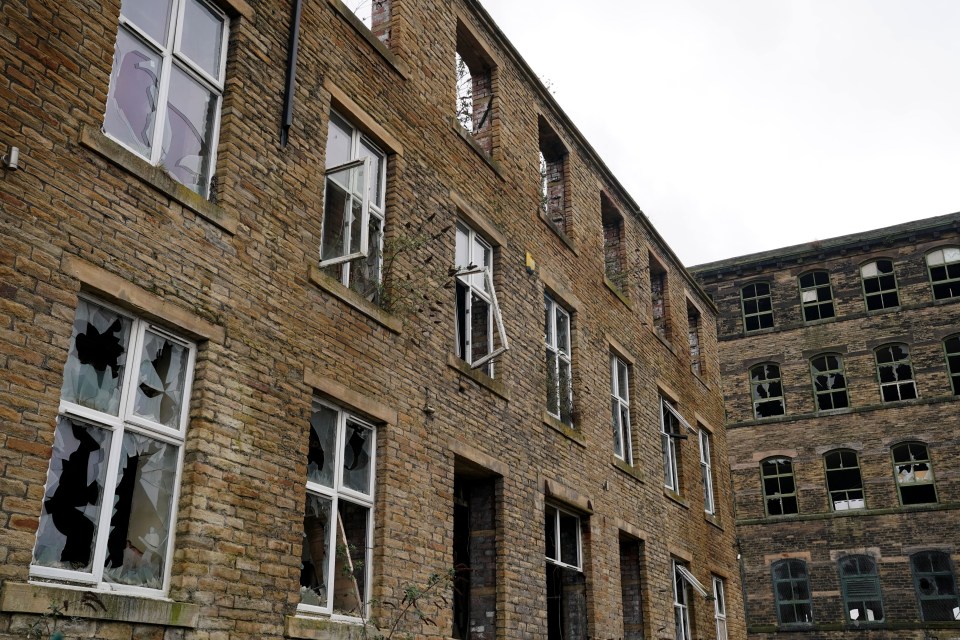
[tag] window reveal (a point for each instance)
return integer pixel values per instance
(671, 430)
(553, 180)
(631, 587)
(693, 339)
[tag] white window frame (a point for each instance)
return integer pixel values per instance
(562, 352)
(681, 601)
(467, 275)
(620, 406)
(671, 471)
(126, 421)
(170, 54)
(706, 467)
(556, 537)
(333, 494)
(720, 607)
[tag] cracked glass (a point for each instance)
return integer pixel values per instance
(94, 371)
(162, 380)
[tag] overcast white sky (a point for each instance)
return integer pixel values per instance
(745, 125)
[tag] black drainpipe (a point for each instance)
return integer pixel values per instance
(288, 98)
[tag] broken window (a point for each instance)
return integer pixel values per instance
(614, 244)
(658, 298)
(829, 382)
(474, 554)
(913, 472)
(693, 338)
(351, 245)
(553, 178)
(566, 584)
(844, 483)
(375, 16)
(895, 373)
(474, 89)
(935, 585)
(951, 347)
(174, 51)
(879, 285)
(559, 369)
(671, 430)
(757, 306)
(779, 487)
(943, 266)
(118, 441)
(479, 332)
(720, 607)
(767, 390)
(683, 581)
(620, 408)
(791, 590)
(816, 296)
(338, 516)
(860, 585)
(631, 587)
(706, 470)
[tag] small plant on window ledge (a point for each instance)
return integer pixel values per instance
(47, 627)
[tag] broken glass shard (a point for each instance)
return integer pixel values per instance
(323, 437)
(357, 453)
(163, 374)
(94, 371)
(316, 542)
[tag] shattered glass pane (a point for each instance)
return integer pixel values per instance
(142, 512)
(73, 496)
(357, 453)
(323, 438)
(313, 559)
(349, 578)
(188, 135)
(566, 393)
(365, 273)
(202, 39)
(134, 88)
(94, 371)
(163, 377)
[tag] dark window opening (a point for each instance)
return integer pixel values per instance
(614, 244)
(779, 487)
(791, 589)
(631, 587)
(860, 585)
(951, 347)
(943, 266)
(660, 306)
(566, 583)
(757, 306)
(935, 585)
(475, 108)
(829, 382)
(474, 556)
(913, 472)
(879, 285)
(693, 339)
(895, 373)
(767, 389)
(816, 297)
(553, 178)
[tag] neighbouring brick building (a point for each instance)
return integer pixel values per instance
(840, 362)
(279, 340)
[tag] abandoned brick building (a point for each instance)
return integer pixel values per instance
(841, 377)
(302, 306)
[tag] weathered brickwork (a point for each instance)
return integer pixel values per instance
(237, 275)
(877, 523)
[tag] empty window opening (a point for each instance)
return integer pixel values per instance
(951, 347)
(553, 178)
(480, 335)
(829, 382)
(658, 298)
(943, 266)
(693, 339)
(706, 471)
(671, 431)
(757, 306)
(791, 589)
(631, 587)
(816, 296)
(879, 285)
(779, 487)
(338, 518)
(844, 483)
(566, 584)
(766, 388)
(720, 607)
(474, 89)
(620, 408)
(935, 585)
(351, 247)
(860, 585)
(375, 16)
(913, 472)
(474, 555)
(559, 368)
(895, 373)
(614, 244)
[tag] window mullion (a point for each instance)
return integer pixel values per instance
(160, 122)
(106, 504)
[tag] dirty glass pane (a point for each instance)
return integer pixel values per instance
(349, 579)
(375, 183)
(338, 142)
(94, 371)
(73, 497)
(163, 376)
(553, 389)
(202, 39)
(569, 540)
(462, 254)
(313, 559)
(461, 293)
(566, 393)
(132, 100)
(365, 273)
(357, 453)
(563, 332)
(321, 457)
(188, 135)
(336, 219)
(142, 512)
(481, 321)
(548, 321)
(152, 16)
(623, 387)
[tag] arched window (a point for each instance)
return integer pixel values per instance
(895, 373)
(767, 391)
(779, 487)
(757, 306)
(844, 483)
(791, 589)
(935, 585)
(943, 267)
(829, 382)
(879, 285)
(913, 472)
(816, 296)
(860, 585)
(951, 347)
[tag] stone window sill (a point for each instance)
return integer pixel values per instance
(713, 519)
(354, 300)
(567, 431)
(615, 290)
(367, 35)
(478, 376)
(307, 628)
(95, 140)
(630, 470)
(675, 497)
(467, 137)
(98, 605)
(567, 240)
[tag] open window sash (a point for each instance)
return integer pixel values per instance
(463, 272)
(691, 580)
(666, 406)
(346, 230)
